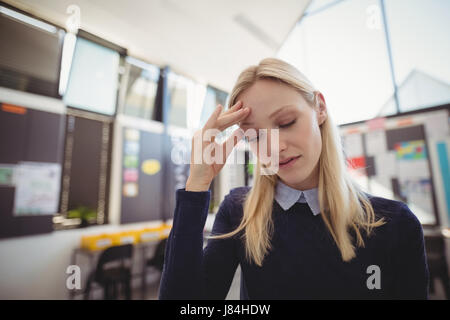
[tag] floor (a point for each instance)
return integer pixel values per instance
(233, 294)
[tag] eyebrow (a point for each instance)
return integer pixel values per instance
(272, 115)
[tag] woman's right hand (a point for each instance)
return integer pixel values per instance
(201, 174)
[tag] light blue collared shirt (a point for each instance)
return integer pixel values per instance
(287, 197)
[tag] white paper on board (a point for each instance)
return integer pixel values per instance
(353, 145)
(376, 142)
(436, 125)
(413, 169)
(37, 188)
(386, 164)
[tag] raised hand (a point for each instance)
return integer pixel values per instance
(203, 170)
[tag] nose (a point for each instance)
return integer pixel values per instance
(282, 143)
(276, 142)
(272, 142)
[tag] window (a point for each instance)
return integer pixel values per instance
(141, 88)
(213, 97)
(342, 50)
(179, 90)
(343, 47)
(93, 78)
(420, 51)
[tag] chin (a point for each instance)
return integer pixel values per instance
(290, 179)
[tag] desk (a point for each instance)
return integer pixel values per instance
(92, 256)
(436, 231)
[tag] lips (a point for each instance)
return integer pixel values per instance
(284, 161)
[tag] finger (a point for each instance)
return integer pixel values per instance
(213, 118)
(231, 142)
(234, 108)
(228, 120)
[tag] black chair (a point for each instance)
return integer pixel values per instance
(155, 262)
(437, 262)
(112, 272)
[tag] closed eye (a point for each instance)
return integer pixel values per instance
(287, 125)
(281, 126)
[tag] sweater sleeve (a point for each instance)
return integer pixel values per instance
(189, 271)
(412, 275)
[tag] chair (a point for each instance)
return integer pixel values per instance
(155, 262)
(437, 262)
(113, 270)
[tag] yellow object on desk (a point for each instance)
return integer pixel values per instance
(125, 237)
(103, 241)
(150, 234)
(96, 242)
(165, 230)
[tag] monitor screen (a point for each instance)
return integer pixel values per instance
(179, 89)
(141, 89)
(93, 78)
(30, 55)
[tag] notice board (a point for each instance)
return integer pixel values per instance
(404, 157)
(142, 161)
(31, 144)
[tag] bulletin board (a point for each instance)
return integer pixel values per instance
(142, 161)
(154, 166)
(31, 144)
(404, 157)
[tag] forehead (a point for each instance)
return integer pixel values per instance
(265, 97)
(269, 93)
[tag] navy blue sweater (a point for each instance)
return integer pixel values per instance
(304, 262)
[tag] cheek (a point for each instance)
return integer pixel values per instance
(310, 141)
(316, 143)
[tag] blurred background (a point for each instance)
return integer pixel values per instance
(99, 100)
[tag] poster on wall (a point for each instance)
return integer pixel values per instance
(395, 164)
(413, 184)
(37, 188)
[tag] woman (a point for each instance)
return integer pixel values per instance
(305, 232)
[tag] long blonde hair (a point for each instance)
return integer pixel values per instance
(344, 206)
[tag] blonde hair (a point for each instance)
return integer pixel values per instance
(344, 206)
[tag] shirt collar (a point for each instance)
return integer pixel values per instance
(287, 197)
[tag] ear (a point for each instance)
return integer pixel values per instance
(321, 108)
